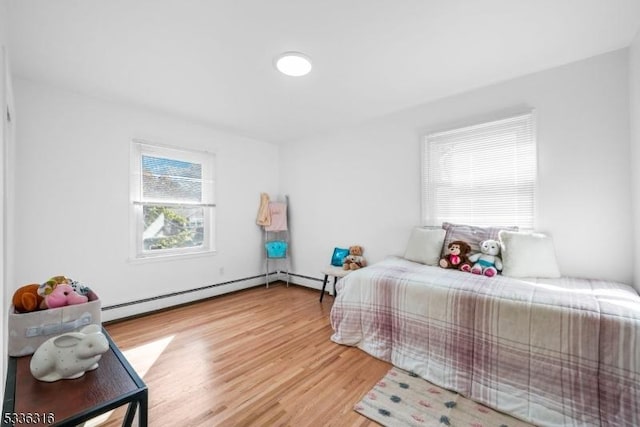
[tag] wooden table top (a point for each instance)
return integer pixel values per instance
(110, 382)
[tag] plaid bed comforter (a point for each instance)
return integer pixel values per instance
(554, 352)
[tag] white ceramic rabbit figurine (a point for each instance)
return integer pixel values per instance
(69, 355)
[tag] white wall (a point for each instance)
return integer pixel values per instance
(634, 114)
(72, 191)
(362, 185)
(4, 180)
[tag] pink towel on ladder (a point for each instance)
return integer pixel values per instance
(278, 211)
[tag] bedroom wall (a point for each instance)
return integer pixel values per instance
(634, 114)
(362, 185)
(5, 181)
(73, 199)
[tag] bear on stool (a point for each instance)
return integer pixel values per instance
(354, 260)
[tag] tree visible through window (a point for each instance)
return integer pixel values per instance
(173, 200)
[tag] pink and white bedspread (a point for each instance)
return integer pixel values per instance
(554, 352)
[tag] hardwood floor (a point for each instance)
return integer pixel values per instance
(258, 357)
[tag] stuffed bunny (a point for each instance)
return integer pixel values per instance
(487, 261)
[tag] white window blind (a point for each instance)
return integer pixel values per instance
(481, 175)
(172, 200)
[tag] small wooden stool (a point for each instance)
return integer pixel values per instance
(337, 273)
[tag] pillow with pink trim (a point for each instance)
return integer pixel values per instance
(471, 234)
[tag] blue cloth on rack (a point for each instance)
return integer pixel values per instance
(276, 249)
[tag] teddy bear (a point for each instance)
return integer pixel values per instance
(487, 261)
(26, 299)
(456, 257)
(354, 260)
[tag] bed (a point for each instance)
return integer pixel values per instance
(553, 352)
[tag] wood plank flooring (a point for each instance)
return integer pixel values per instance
(257, 357)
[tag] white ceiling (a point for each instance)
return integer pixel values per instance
(211, 60)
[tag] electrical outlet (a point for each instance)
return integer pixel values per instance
(222, 271)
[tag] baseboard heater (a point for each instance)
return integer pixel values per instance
(145, 306)
(302, 276)
(178, 293)
(164, 301)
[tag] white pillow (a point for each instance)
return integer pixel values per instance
(425, 245)
(528, 255)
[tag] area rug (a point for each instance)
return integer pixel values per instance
(403, 399)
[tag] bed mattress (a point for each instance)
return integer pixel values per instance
(553, 352)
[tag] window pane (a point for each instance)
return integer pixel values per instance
(172, 227)
(172, 201)
(481, 175)
(169, 179)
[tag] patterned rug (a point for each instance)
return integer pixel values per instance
(403, 399)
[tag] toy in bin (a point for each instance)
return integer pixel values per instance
(41, 311)
(55, 292)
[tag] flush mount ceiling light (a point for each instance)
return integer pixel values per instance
(293, 64)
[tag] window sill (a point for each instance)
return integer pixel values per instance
(170, 257)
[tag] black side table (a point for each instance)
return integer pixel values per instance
(29, 402)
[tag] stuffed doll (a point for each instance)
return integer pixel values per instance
(26, 299)
(47, 287)
(354, 260)
(62, 295)
(487, 261)
(456, 257)
(79, 287)
(59, 291)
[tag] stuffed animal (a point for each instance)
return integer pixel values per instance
(47, 287)
(62, 295)
(26, 299)
(487, 261)
(457, 253)
(79, 287)
(354, 260)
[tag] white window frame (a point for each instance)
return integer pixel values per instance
(141, 148)
(434, 183)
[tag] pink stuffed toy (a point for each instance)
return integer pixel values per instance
(62, 295)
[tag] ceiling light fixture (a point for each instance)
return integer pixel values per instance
(293, 64)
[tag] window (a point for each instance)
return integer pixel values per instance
(481, 175)
(172, 200)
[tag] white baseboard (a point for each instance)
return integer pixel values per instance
(311, 282)
(303, 281)
(136, 308)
